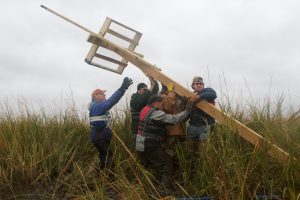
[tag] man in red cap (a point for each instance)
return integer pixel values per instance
(99, 121)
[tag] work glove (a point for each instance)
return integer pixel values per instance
(171, 87)
(126, 83)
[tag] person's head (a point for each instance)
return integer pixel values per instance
(141, 88)
(197, 83)
(98, 95)
(156, 101)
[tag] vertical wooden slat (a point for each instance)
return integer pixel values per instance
(94, 47)
(131, 47)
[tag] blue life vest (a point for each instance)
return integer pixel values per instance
(98, 121)
(100, 117)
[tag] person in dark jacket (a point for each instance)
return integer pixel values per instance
(149, 141)
(200, 122)
(99, 121)
(138, 101)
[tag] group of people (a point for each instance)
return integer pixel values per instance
(158, 120)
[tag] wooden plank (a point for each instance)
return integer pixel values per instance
(131, 48)
(94, 47)
(116, 22)
(148, 68)
(136, 38)
(138, 54)
(105, 29)
(120, 68)
(123, 37)
(110, 59)
(104, 67)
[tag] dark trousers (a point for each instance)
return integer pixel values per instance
(105, 154)
(156, 156)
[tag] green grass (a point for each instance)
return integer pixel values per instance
(49, 156)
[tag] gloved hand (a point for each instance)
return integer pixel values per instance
(126, 83)
(171, 87)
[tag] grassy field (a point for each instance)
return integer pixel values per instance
(49, 156)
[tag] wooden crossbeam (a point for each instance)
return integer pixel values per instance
(94, 47)
(103, 31)
(148, 68)
(102, 66)
(132, 46)
(123, 25)
(122, 37)
(110, 59)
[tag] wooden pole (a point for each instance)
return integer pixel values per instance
(148, 68)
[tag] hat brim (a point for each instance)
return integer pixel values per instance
(98, 91)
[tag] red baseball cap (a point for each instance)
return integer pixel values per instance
(97, 91)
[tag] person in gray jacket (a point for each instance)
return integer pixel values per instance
(150, 136)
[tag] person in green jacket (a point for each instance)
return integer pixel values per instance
(138, 101)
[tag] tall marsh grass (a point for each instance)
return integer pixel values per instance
(49, 156)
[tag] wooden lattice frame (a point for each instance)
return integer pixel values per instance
(106, 28)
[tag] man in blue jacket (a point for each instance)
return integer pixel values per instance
(99, 121)
(200, 122)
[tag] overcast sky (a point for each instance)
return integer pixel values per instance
(245, 50)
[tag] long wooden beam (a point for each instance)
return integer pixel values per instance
(151, 69)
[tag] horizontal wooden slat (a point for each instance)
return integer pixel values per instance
(102, 32)
(122, 37)
(116, 22)
(138, 54)
(103, 67)
(110, 59)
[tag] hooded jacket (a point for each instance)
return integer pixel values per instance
(198, 117)
(137, 103)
